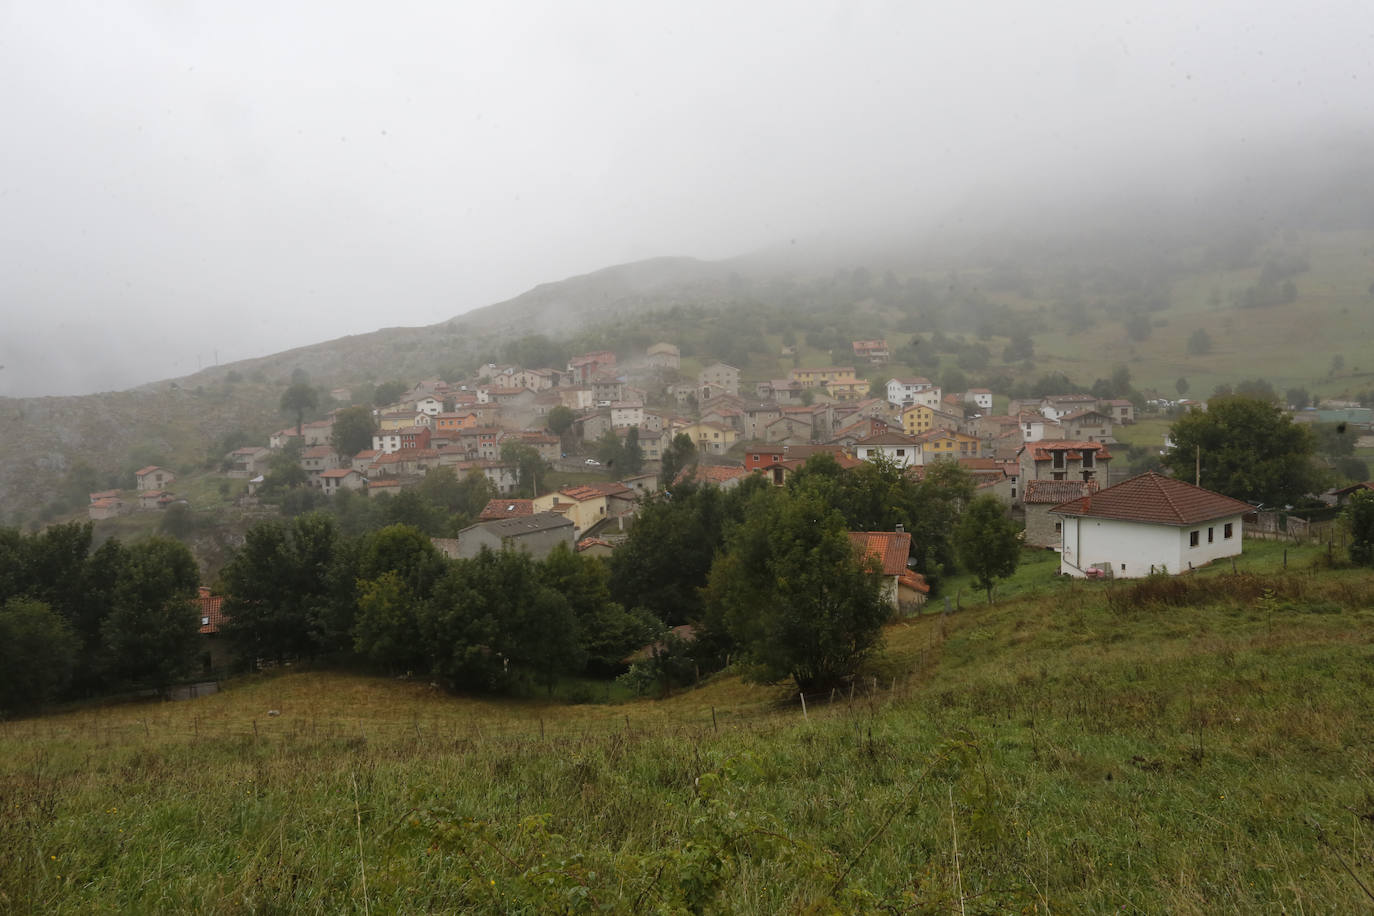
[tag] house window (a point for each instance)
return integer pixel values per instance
(1059, 475)
(1087, 459)
(1210, 532)
(1226, 531)
(1058, 461)
(1193, 538)
(1058, 527)
(901, 453)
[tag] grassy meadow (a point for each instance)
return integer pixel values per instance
(1192, 745)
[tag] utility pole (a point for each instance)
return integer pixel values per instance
(1197, 466)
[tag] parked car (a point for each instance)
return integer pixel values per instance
(592, 463)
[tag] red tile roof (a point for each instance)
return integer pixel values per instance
(914, 580)
(506, 508)
(581, 493)
(1054, 492)
(211, 611)
(1040, 451)
(1154, 498)
(891, 548)
(707, 473)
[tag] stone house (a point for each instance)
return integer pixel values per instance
(717, 378)
(153, 478)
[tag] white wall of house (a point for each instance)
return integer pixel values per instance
(903, 395)
(1135, 549)
(980, 399)
(627, 415)
(904, 456)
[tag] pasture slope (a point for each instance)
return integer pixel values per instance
(1194, 745)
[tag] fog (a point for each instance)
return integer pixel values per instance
(190, 183)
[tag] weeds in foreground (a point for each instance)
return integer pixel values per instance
(1191, 751)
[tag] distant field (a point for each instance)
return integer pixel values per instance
(1077, 747)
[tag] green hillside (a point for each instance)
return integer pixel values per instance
(1292, 307)
(1193, 745)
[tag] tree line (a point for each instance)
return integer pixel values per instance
(766, 575)
(80, 619)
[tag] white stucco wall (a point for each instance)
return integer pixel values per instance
(911, 454)
(1135, 549)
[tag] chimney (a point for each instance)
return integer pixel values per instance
(204, 591)
(900, 527)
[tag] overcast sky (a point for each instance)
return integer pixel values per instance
(183, 181)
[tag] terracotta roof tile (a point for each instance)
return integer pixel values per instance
(211, 612)
(1152, 497)
(1054, 492)
(889, 547)
(1041, 450)
(506, 508)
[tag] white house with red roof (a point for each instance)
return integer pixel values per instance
(1148, 524)
(903, 451)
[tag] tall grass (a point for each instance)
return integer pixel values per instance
(1191, 748)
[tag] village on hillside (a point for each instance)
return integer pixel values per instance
(1034, 455)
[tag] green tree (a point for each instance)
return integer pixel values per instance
(1181, 386)
(38, 654)
(679, 454)
(667, 557)
(1249, 449)
(493, 620)
(387, 628)
(1199, 343)
(989, 546)
(631, 454)
(609, 449)
(284, 471)
(463, 499)
(530, 466)
(606, 631)
(297, 399)
(411, 508)
(353, 430)
(151, 631)
(388, 393)
(1359, 518)
(794, 594)
(178, 521)
(281, 586)
(560, 420)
